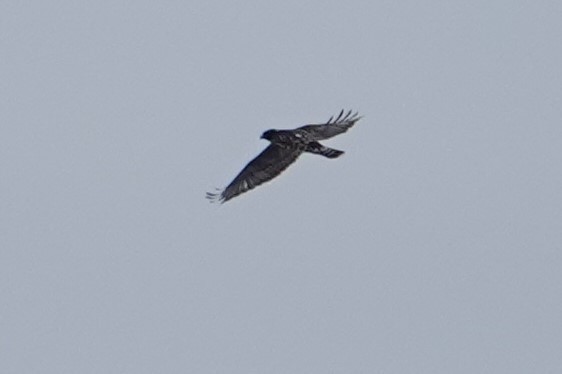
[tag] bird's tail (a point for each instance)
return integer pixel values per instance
(319, 149)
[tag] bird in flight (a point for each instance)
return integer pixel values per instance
(286, 146)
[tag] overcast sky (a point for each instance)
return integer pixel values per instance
(434, 245)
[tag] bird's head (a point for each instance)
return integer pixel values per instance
(268, 134)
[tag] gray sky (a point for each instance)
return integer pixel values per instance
(433, 246)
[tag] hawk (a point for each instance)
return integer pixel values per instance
(286, 146)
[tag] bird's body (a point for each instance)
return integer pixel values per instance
(286, 146)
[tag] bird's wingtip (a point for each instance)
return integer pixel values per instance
(215, 197)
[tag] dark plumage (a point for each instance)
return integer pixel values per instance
(286, 146)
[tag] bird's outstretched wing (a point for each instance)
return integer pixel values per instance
(266, 166)
(333, 127)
